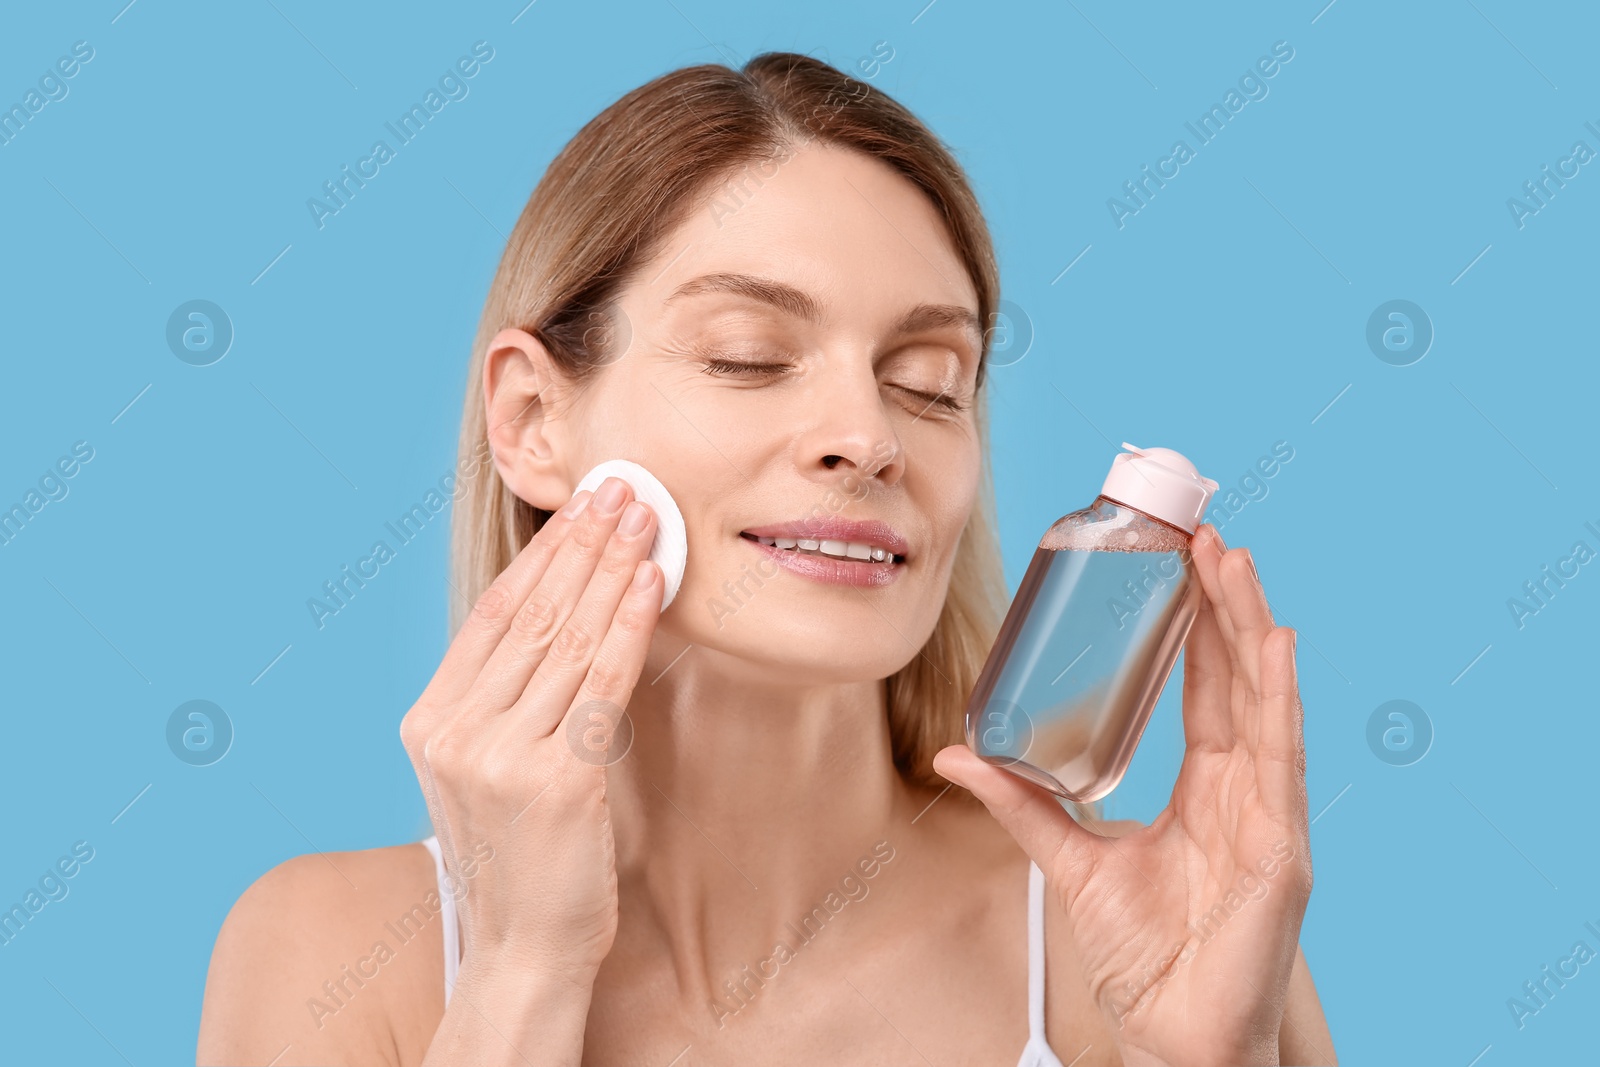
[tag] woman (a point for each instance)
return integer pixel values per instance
(767, 286)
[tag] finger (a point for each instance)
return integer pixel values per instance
(619, 659)
(1064, 851)
(1248, 611)
(1211, 557)
(1207, 683)
(1207, 550)
(485, 626)
(1280, 755)
(536, 623)
(571, 657)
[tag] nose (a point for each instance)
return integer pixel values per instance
(851, 433)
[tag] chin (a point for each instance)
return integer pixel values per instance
(790, 634)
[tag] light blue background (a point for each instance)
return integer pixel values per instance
(1227, 315)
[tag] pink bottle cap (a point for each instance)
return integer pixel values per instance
(1161, 483)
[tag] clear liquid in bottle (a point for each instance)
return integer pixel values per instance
(1091, 637)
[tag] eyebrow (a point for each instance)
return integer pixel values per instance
(802, 305)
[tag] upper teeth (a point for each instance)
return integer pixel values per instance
(838, 549)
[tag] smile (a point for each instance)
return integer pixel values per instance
(831, 549)
(831, 562)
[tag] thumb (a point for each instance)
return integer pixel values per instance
(1034, 816)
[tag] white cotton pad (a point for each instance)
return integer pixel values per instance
(670, 550)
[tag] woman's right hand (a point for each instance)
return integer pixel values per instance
(504, 739)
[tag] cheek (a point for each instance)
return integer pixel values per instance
(951, 495)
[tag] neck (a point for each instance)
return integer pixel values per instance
(740, 805)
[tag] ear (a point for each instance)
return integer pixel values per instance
(522, 389)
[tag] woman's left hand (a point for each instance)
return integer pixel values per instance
(1188, 928)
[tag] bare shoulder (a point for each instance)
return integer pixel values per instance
(320, 955)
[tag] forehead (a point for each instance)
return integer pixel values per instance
(837, 225)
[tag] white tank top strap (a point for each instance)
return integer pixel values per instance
(1037, 1052)
(447, 913)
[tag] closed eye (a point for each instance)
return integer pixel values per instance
(715, 365)
(942, 399)
(719, 365)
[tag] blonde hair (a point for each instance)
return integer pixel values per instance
(621, 185)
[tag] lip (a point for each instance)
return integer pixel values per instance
(830, 571)
(826, 569)
(832, 528)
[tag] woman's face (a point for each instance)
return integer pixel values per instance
(835, 280)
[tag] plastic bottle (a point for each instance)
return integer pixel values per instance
(1094, 630)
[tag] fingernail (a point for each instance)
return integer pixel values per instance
(642, 575)
(633, 519)
(609, 498)
(575, 506)
(1218, 535)
(1251, 559)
